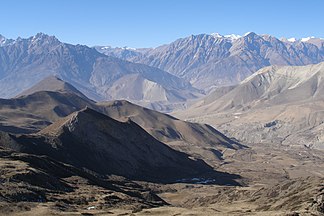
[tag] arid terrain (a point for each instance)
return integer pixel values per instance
(276, 181)
(73, 162)
(255, 147)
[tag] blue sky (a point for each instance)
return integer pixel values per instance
(148, 23)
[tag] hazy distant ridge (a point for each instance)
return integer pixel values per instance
(209, 60)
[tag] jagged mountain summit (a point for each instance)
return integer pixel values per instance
(24, 62)
(211, 60)
(4, 41)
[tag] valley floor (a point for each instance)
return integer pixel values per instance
(278, 180)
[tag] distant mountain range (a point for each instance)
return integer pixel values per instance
(195, 65)
(24, 62)
(211, 60)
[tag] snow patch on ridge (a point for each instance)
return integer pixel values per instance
(292, 39)
(247, 33)
(128, 48)
(216, 35)
(230, 36)
(233, 36)
(307, 39)
(106, 47)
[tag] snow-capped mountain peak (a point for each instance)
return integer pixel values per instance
(216, 35)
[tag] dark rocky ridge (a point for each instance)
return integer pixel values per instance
(97, 142)
(31, 113)
(38, 179)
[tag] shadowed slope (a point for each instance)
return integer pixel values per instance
(199, 140)
(92, 140)
(33, 179)
(30, 113)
